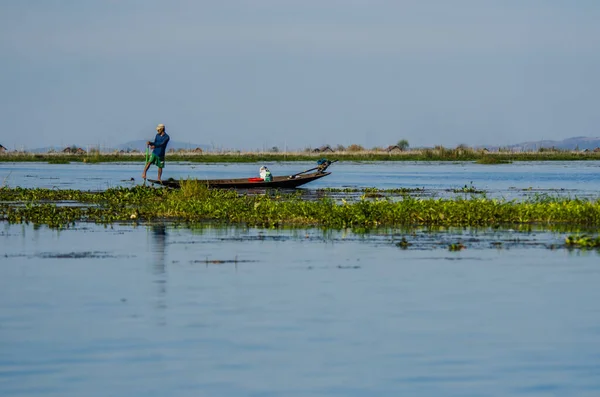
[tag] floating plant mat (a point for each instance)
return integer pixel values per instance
(194, 203)
(71, 255)
(419, 238)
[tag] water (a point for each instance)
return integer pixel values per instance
(511, 181)
(156, 310)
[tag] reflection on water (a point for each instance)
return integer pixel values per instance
(158, 247)
(159, 310)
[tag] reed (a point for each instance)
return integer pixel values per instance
(438, 153)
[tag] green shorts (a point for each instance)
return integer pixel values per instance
(154, 159)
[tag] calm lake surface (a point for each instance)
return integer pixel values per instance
(511, 181)
(156, 310)
(153, 310)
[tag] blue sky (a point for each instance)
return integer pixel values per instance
(250, 74)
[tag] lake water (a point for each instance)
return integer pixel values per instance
(156, 310)
(511, 181)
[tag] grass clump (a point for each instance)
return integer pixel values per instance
(59, 161)
(487, 159)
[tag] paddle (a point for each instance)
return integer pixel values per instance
(147, 158)
(322, 166)
(300, 173)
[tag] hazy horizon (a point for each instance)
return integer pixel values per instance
(253, 74)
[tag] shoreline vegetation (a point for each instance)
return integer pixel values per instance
(195, 204)
(436, 154)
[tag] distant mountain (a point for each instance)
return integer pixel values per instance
(141, 145)
(128, 146)
(575, 143)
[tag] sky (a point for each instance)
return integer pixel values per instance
(253, 74)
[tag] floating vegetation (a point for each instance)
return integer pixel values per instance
(493, 160)
(467, 189)
(222, 261)
(372, 190)
(582, 241)
(404, 244)
(78, 255)
(59, 161)
(194, 203)
(456, 247)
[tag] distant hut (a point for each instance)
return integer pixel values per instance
(2, 149)
(323, 149)
(393, 148)
(197, 150)
(597, 150)
(74, 150)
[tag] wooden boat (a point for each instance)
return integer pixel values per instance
(278, 182)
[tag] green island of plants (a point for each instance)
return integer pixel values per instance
(582, 241)
(194, 203)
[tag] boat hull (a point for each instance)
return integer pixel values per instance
(278, 182)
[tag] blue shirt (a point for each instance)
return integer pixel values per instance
(160, 145)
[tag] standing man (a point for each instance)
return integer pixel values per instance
(159, 147)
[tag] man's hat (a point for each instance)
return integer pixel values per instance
(158, 127)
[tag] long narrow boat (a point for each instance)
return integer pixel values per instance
(278, 182)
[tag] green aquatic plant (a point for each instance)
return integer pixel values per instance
(403, 243)
(195, 203)
(493, 159)
(456, 247)
(468, 189)
(582, 241)
(59, 161)
(372, 190)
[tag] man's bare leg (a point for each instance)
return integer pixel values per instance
(159, 173)
(146, 170)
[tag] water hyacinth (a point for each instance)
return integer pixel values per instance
(195, 203)
(583, 241)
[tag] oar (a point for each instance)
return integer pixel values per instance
(300, 173)
(147, 158)
(312, 169)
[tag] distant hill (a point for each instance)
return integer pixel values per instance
(575, 143)
(141, 145)
(128, 146)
